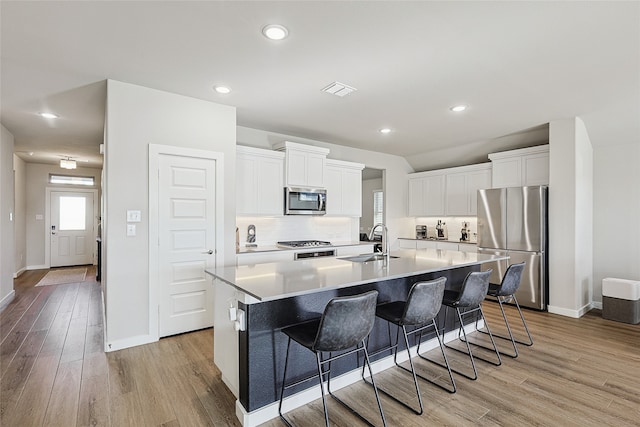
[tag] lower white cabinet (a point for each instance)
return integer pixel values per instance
(354, 250)
(426, 244)
(249, 258)
(467, 247)
(406, 243)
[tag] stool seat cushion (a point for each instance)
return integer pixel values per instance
(451, 298)
(391, 311)
(303, 333)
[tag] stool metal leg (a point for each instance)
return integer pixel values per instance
(446, 361)
(501, 301)
(284, 379)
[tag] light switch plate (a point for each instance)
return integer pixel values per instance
(133, 216)
(131, 229)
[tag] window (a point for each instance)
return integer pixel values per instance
(72, 180)
(378, 198)
(72, 213)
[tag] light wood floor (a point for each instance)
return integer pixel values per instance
(582, 372)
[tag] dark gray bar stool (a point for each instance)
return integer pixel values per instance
(505, 293)
(343, 327)
(469, 301)
(419, 311)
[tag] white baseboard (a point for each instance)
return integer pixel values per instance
(570, 312)
(115, 345)
(19, 272)
(7, 300)
(269, 412)
(597, 305)
(37, 267)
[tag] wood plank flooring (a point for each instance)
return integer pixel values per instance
(53, 372)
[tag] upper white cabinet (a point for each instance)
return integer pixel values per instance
(450, 191)
(304, 164)
(343, 181)
(518, 168)
(426, 194)
(259, 181)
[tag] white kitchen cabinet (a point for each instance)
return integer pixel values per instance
(304, 164)
(426, 244)
(447, 246)
(343, 181)
(407, 243)
(259, 181)
(467, 247)
(518, 168)
(354, 250)
(451, 192)
(250, 258)
(426, 194)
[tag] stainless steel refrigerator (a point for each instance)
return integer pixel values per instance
(513, 221)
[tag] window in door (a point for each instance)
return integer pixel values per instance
(72, 213)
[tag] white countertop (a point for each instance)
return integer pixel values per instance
(271, 281)
(437, 240)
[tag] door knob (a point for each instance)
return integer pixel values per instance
(209, 252)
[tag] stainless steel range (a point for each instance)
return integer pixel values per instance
(296, 244)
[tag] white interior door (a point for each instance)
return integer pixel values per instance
(186, 221)
(72, 236)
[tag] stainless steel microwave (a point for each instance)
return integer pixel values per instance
(305, 201)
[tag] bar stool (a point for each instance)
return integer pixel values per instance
(470, 297)
(343, 327)
(505, 292)
(419, 311)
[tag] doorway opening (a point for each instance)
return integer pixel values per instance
(372, 201)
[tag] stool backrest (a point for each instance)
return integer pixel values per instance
(511, 280)
(424, 302)
(346, 321)
(474, 288)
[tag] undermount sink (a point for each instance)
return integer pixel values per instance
(366, 257)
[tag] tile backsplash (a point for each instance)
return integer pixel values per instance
(270, 230)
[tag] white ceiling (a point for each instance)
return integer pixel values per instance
(518, 65)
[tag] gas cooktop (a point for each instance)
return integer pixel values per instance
(303, 244)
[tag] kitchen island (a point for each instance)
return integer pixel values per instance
(264, 298)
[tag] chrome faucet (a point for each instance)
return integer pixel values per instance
(385, 238)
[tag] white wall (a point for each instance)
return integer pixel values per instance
(570, 218)
(396, 167)
(37, 182)
(616, 201)
(7, 263)
(136, 117)
(20, 188)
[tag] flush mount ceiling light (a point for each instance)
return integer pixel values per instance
(385, 131)
(48, 115)
(275, 32)
(68, 163)
(339, 89)
(458, 108)
(222, 89)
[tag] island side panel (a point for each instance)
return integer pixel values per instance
(262, 347)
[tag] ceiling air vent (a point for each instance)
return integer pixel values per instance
(339, 89)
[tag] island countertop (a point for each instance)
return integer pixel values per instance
(272, 281)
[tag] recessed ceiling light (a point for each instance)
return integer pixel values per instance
(222, 89)
(458, 108)
(385, 130)
(275, 32)
(48, 115)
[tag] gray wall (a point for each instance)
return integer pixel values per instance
(6, 217)
(136, 117)
(20, 188)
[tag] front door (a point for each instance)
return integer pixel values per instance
(71, 228)
(186, 220)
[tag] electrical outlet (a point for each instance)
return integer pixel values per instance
(131, 229)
